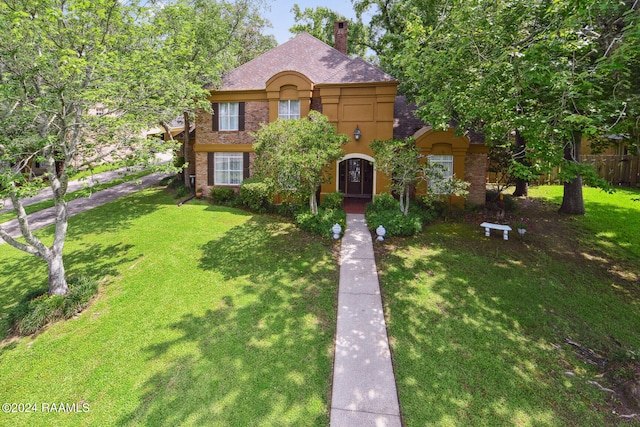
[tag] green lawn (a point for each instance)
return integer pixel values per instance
(613, 219)
(84, 192)
(479, 326)
(206, 316)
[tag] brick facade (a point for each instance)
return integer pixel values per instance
(202, 167)
(201, 172)
(475, 172)
(255, 114)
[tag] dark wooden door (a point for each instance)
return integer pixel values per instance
(356, 178)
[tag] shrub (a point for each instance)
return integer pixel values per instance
(427, 212)
(385, 211)
(322, 223)
(81, 291)
(39, 309)
(386, 201)
(181, 192)
(509, 203)
(222, 195)
(175, 183)
(332, 201)
(254, 195)
(287, 209)
(394, 222)
(434, 204)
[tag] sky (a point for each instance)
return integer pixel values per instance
(281, 16)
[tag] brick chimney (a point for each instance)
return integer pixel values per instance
(340, 36)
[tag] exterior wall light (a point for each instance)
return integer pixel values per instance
(357, 133)
(380, 231)
(336, 229)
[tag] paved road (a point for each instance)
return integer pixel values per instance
(75, 185)
(46, 217)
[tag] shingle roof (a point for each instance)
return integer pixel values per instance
(307, 55)
(406, 123)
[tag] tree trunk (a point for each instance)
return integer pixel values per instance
(186, 149)
(572, 200)
(57, 278)
(32, 245)
(405, 195)
(313, 203)
(522, 186)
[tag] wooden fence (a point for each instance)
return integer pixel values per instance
(617, 170)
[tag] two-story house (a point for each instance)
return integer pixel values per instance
(306, 74)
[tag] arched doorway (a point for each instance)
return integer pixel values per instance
(356, 177)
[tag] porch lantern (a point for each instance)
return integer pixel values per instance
(336, 229)
(357, 133)
(380, 231)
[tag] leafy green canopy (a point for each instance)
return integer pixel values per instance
(319, 22)
(401, 160)
(292, 155)
(195, 43)
(140, 62)
(505, 66)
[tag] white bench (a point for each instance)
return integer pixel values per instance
(488, 226)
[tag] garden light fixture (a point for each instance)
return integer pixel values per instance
(336, 229)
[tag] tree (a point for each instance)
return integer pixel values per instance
(401, 160)
(388, 21)
(621, 61)
(319, 22)
(59, 59)
(197, 41)
(511, 67)
(292, 155)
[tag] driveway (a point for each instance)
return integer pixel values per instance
(46, 217)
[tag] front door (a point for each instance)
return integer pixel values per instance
(356, 178)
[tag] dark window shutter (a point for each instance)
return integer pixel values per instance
(215, 117)
(245, 166)
(210, 162)
(241, 116)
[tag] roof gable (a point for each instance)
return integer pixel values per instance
(305, 54)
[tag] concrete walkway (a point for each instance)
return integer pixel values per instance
(46, 217)
(364, 387)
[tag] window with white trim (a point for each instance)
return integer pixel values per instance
(289, 109)
(227, 168)
(444, 172)
(228, 115)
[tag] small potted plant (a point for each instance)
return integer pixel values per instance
(199, 193)
(522, 225)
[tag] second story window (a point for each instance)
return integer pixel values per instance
(229, 113)
(289, 109)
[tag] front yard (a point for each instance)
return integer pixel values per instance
(206, 316)
(492, 332)
(214, 316)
